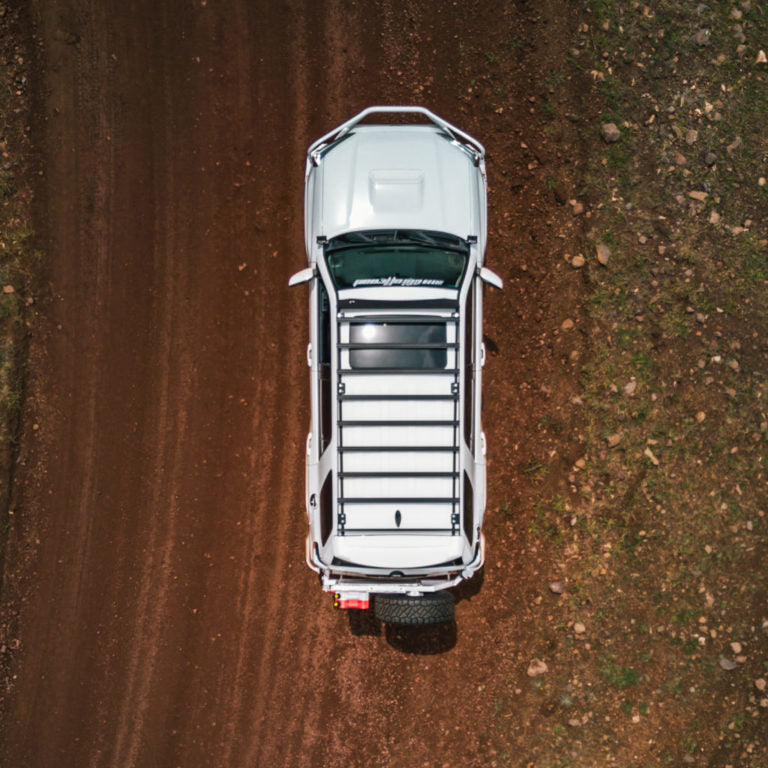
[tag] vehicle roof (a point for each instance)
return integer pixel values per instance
(397, 177)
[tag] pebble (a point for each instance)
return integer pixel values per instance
(9, 289)
(760, 684)
(649, 453)
(578, 209)
(761, 58)
(556, 588)
(579, 628)
(680, 158)
(702, 37)
(574, 722)
(603, 254)
(710, 159)
(691, 135)
(610, 132)
(578, 261)
(761, 181)
(736, 647)
(725, 664)
(630, 387)
(700, 416)
(733, 365)
(614, 439)
(566, 325)
(714, 217)
(537, 667)
(696, 195)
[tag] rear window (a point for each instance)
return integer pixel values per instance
(397, 345)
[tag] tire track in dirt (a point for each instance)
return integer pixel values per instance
(280, 494)
(247, 594)
(298, 719)
(89, 233)
(174, 368)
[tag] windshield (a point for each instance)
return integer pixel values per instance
(403, 258)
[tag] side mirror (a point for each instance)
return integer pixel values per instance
(302, 276)
(490, 277)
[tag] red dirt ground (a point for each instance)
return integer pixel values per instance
(164, 611)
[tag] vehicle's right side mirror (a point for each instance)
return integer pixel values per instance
(302, 276)
(490, 277)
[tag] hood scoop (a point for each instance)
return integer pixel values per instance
(396, 190)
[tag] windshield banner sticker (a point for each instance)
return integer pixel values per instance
(410, 282)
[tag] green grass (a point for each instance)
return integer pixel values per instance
(618, 676)
(17, 259)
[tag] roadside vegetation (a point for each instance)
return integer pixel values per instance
(656, 538)
(16, 253)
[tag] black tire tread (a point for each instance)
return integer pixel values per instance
(410, 610)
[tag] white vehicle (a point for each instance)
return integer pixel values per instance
(395, 229)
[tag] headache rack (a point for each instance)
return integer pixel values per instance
(398, 426)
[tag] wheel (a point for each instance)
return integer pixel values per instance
(411, 610)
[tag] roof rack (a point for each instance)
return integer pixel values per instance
(370, 400)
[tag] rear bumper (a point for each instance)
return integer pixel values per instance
(343, 578)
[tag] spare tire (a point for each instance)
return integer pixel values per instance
(414, 610)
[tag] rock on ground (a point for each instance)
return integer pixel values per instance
(610, 132)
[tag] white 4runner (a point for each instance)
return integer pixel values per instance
(395, 229)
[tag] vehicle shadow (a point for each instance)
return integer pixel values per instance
(364, 623)
(422, 641)
(466, 590)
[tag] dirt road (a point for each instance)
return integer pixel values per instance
(165, 615)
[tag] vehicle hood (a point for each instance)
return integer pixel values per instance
(397, 177)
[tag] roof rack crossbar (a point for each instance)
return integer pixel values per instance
(374, 475)
(384, 531)
(398, 371)
(398, 345)
(398, 449)
(395, 500)
(400, 319)
(383, 397)
(409, 423)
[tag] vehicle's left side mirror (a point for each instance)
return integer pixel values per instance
(302, 276)
(490, 277)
